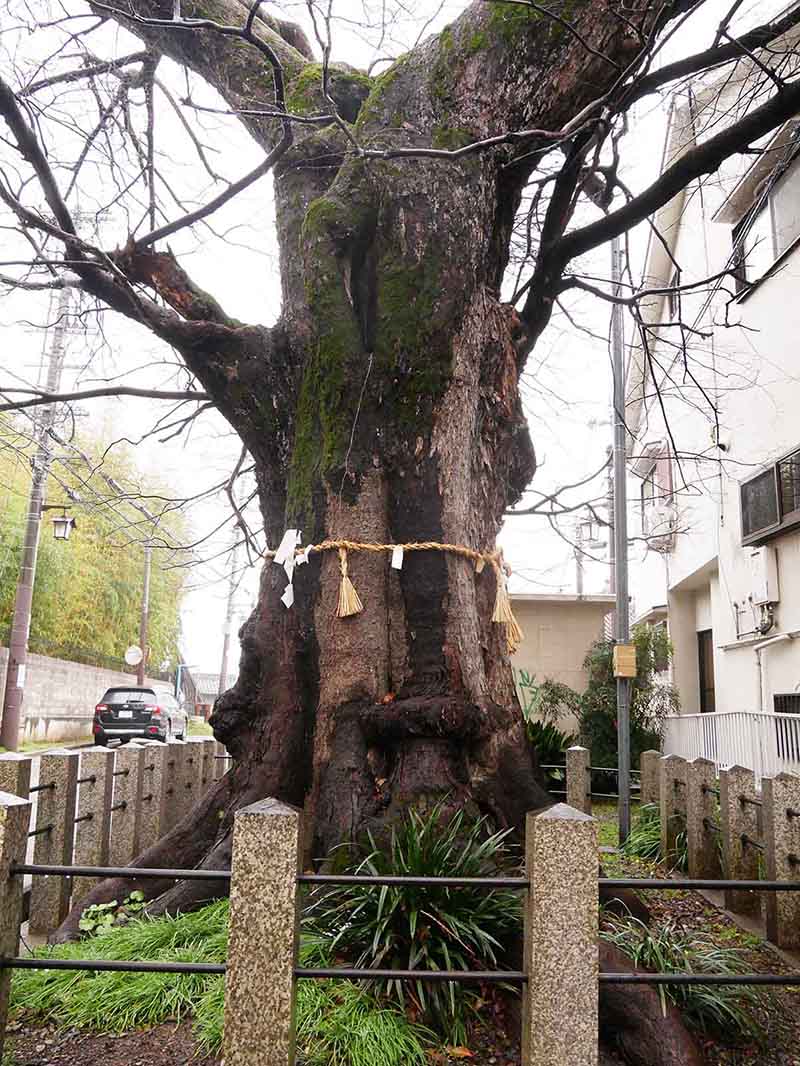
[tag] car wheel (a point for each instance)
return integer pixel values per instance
(101, 741)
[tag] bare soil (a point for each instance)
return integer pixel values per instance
(164, 1045)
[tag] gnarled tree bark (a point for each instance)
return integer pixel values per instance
(384, 405)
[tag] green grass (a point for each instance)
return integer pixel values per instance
(338, 1023)
(199, 729)
(117, 1002)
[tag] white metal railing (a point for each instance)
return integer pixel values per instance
(767, 744)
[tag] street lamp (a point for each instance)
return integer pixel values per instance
(63, 525)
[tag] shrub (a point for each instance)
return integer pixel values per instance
(719, 1010)
(550, 744)
(430, 927)
(651, 699)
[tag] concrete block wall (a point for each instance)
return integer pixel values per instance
(60, 696)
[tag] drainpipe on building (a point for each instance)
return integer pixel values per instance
(758, 648)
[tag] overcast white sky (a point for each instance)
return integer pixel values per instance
(566, 386)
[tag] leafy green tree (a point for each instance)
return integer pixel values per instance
(651, 697)
(87, 595)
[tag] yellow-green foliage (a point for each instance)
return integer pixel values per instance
(88, 591)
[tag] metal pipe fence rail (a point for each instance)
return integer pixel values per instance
(558, 978)
(580, 791)
(725, 824)
(101, 807)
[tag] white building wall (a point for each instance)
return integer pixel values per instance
(751, 371)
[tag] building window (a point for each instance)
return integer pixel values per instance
(771, 500)
(656, 487)
(770, 228)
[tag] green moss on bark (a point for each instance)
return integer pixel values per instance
(450, 138)
(510, 22)
(324, 420)
(373, 108)
(413, 357)
(348, 87)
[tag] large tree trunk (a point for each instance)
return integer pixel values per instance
(383, 407)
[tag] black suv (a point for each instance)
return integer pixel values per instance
(129, 711)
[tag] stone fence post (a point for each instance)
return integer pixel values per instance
(579, 779)
(207, 773)
(262, 942)
(195, 764)
(15, 816)
(672, 786)
(154, 787)
(93, 823)
(559, 1013)
(55, 829)
(127, 804)
(15, 774)
(702, 822)
(173, 808)
(740, 825)
(649, 789)
(781, 798)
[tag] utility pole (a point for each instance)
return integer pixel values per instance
(233, 585)
(145, 615)
(622, 626)
(612, 553)
(21, 622)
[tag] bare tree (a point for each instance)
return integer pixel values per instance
(383, 406)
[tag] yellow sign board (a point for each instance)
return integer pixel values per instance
(624, 660)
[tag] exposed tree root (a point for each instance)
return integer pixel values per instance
(193, 842)
(633, 1021)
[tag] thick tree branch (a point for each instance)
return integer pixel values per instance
(213, 47)
(703, 159)
(717, 56)
(31, 150)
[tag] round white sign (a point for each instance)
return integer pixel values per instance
(134, 655)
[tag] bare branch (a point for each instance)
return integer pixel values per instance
(40, 398)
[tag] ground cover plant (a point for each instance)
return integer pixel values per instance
(644, 841)
(339, 1023)
(720, 1010)
(429, 928)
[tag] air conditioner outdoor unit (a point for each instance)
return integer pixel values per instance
(764, 575)
(660, 520)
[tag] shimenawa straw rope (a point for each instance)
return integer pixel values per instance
(349, 602)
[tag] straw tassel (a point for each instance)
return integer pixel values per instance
(349, 602)
(503, 613)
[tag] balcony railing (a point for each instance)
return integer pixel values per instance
(767, 744)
